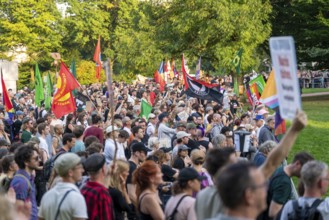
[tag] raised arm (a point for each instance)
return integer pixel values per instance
(280, 152)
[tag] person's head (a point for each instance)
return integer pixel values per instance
(259, 119)
(96, 119)
(147, 176)
(58, 129)
(43, 129)
(78, 131)
(242, 186)
(69, 118)
(94, 148)
(217, 158)
(181, 126)
(198, 157)
(182, 151)
(112, 132)
(27, 157)
(270, 122)
(153, 143)
(120, 173)
(219, 141)
(8, 164)
(69, 140)
(95, 166)
(188, 178)
(299, 160)
(267, 147)
(162, 156)
(90, 139)
(48, 118)
(315, 176)
(126, 121)
(182, 135)
(191, 129)
(138, 132)
(245, 118)
(163, 117)
(152, 118)
(217, 118)
(139, 151)
(142, 124)
(69, 167)
(123, 136)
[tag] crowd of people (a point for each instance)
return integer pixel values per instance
(181, 161)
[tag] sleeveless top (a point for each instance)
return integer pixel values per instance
(144, 216)
(67, 130)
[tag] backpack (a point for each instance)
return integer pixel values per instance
(305, 213)
(49, 165)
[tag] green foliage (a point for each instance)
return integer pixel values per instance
(32, 25)
(308, 23)
(127, 77)
(86, 73)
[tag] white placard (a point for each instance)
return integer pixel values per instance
(285, 67)
(237, 142)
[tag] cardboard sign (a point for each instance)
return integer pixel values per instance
(285, 67)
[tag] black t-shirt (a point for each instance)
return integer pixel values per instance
(179, 163)
(168, 173)
(204, 143)
(119, 204)
(192, 145)
(132, 168)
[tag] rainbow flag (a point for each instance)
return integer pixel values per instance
(269, 96)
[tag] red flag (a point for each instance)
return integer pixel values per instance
(63, 102)
(159, 80)
(6, 100)
(98, 59)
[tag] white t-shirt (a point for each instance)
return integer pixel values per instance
(43, 144)
(73, 206)
(110, 148)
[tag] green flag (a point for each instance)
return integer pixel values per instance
(39, 93)
(259, 80)
(236, 62)
(49, 89)
(74, 72)
(146, 109)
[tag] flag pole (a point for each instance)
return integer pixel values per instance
(108, 71)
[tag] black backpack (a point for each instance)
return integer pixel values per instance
(307, 212)
(48, 166)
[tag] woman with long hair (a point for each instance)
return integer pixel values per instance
(68, 126)
(147, 178)
(118, 191)
(181, 204)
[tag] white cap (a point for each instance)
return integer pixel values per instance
(110, 129)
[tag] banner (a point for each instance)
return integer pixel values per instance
(81, 99)
(259, 80)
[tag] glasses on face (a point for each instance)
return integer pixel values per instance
(36, 158)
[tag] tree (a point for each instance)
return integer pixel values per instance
(308, 23)
(30, 25)
(86, 73)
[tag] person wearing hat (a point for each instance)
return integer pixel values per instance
(192, 143)
(180, 126)
(181, 204)
(182, 159)
(139, 153)
(165, 133)
(151, 125)
(17, 124)
(109, 149)
(259, 119)
(266, 133)
(26, 127)
(64, 200)
(98, 199)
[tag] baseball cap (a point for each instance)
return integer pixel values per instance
(65, 162)
(181, 124)
(182, 134)
(19, 113)
(262, 112)
(151, 116)
(190, 126)
(162, 116)
(209, 108)
(183, 147)
(189, 173)
(138, 147)
(259, 117)
(110, 129)
(94, 162)
(165, 149)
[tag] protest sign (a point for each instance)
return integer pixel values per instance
(284, 62)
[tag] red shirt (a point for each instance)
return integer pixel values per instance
(98, 200)
(96, 132)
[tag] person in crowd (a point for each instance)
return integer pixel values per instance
(263, 152)
(68, 125)
(216, 125)
(98, 198)
(279, 190)
(122, 143)
(65, 201)
(266, 133)
(95, 129)
(17, 125)
(219, 141)
(203, 141)
(259, 119)
(27, 159)
(165, 133)
(109, 149)
(315, 177)
(197, 162)
(26, 130)
(44, 130)
(58, 137)
(118, 191)
(79, 145)
(9, 168)
(181, 204)
(182, 159)
(3, 133)
(147, 178)
(68, 142)
(151, 125)
(153, 144)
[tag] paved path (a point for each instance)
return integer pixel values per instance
(315, 94)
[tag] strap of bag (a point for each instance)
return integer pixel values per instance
(27, 181)
(60, 204)
(175, 209)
